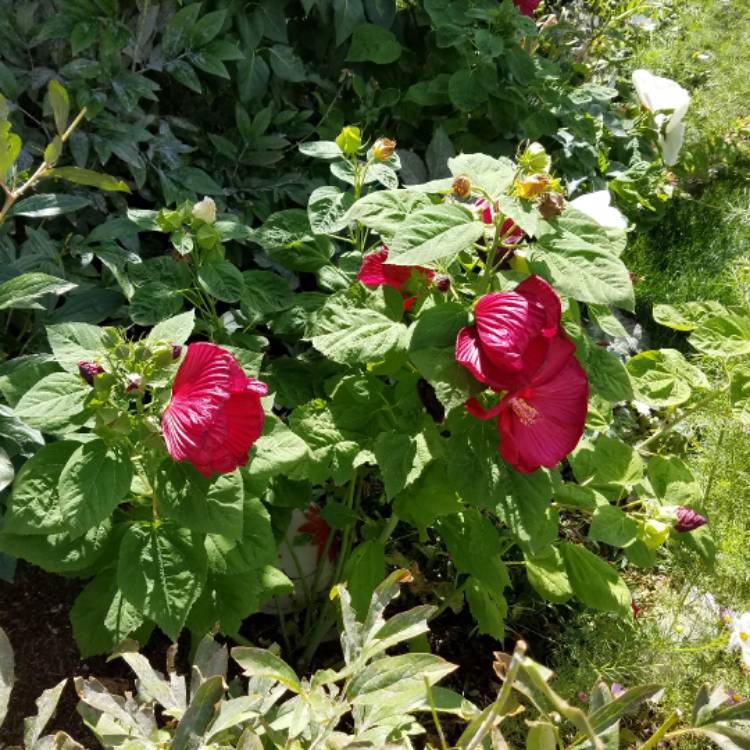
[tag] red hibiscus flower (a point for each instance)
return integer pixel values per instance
(510, 234)
(542, 421)
(215, 414)
(319, 532)
(510, 335)
(376, 272)
(526, 7)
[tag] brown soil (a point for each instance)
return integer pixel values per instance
(34, 614)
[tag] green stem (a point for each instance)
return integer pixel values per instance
(661, 732)
(685, 415)
(499, 705)
(435, 718)
(388, 529)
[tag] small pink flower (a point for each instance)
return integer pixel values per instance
(375, 271)
(215, 414)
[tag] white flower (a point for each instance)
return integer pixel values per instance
(597, 207)
(740, 637)
(643, 22)
(205, 210)
(668, 102)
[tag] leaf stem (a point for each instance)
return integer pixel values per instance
(660, 733)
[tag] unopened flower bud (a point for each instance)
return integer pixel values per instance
(443, 284)
(205, 210)
(349, 139)
(551, 205)
(462, 186)
(688, 520)
(176, 351)
(133, 382)
(535, 159)
(530, 187)
(655, 533)
(89, 370)
(383, 148)
(582, 696)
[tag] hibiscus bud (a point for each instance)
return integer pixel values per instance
(88, 370)
(176, 351)
(535, 159)
(551, 205)
(205, 210)
(530, 187)
(462, 186)
(443, 284)
(133, 382)
(688, 520)
(383, 148)
(349, 139)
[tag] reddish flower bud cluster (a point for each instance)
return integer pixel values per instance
(689, 520)
(516, 346)
(376, 271)
(215, 414)
(88, 370)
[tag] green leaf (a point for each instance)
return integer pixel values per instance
(547, 575)
(524, 214)
(363, 571)
(327, 209)
(355, 335)
(53, 402)
(58, 553)
(200, 712)
(265, 293)
(153, 302)
(10, 148)
(494, 175)
(60, 103)
(401, 459)
(594, 581)
(278, 451)
(178, 31)
(212, 506)
(7, 673)
(662, 377)
(434, 233)
(74, 342)
(260, 662)
(347, 16)
(608, 375)
(286, 64)
(321, 150)
(371, 43)
(687, 316)
(526, 510)
(739, 393)
(161, 572)
(206, 28)
(101, 617)
(581, 260)
(34, 504)
(476, 547)
(673, 481)
(88, 177)
(609, 465)
(92, 484)
(44, 205)
(21, 292)
(222, 280)
(7, 472)
(253, 78)
(726, 335)
(432, 495)
(383, 211)
(612, 526)
(392, 677)
(488, 606)
(175, 330)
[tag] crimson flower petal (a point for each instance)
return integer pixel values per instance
(215, 414)
(542, 423)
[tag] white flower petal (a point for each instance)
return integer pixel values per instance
(597, 206)
(672, 143)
